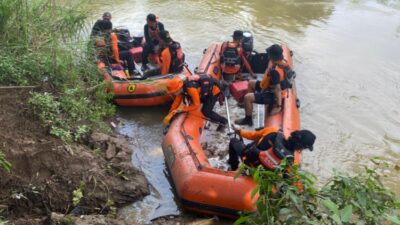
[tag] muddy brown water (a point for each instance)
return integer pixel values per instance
(347, 58)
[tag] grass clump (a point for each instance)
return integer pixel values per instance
(42, 45)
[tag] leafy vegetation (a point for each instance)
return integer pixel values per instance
(344, 200)
(77, 194)
(42, 45)
(4, 163)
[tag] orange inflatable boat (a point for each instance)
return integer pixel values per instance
(199, 186)
(134, 92)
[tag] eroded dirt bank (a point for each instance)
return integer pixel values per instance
(46, 171)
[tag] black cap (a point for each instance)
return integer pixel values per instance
(164, 35)
(105, 25)
(106, 15)
(151, 17)
(275, 52)
(237, 34)
(306, 138)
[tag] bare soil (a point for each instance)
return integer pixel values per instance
(46, 171)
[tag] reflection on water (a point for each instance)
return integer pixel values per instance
(346, 57)
(143, 127)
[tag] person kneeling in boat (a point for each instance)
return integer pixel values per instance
(172, 58)
(108, 42)
(268, 148)
(233, 58)
(268, 91)
(197, 90)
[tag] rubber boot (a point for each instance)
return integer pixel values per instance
(245, 121)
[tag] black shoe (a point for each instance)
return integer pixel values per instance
(143, 68)
(221, 128)
(245, 121)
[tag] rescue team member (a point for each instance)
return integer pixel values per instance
(172, 58)
(109, 43)
(268, 90)
(268, 148)
(151, 31)
(96, 28)
(233, 58)
(200, 89)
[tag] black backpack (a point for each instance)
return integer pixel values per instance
(177, 62)
(231, 57)
(206, 86)
(205, 83)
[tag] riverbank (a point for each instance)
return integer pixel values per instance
(48, 176)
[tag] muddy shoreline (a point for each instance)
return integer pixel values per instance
(46, 171)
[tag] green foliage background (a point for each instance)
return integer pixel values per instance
(42, 44)
(345, 200)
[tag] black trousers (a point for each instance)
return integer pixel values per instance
(207, 110)
(237, 149)
(147, 49)
(126, 55)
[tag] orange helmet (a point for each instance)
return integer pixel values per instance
(174, 85)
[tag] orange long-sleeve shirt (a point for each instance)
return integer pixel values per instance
(194, 94)
(270, 75)
(165, 61)
(257, 135)
(114, 47)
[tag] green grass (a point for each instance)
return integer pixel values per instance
(41, 44)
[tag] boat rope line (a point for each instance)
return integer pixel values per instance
(139, 96)
(192, 152)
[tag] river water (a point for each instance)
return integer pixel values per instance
(347, 59)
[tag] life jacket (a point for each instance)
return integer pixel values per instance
(272, 157)
(286, 76)
(203, 83)
(230, 58)
(154, 34)
(177, 58)
(124, 38)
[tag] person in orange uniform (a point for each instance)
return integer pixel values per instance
(200, 89)
(268, 148)
(172, 58)
(111, 47)
(233, 58)
(268, 90)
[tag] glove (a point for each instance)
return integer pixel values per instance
(167, 119)
(236, 129)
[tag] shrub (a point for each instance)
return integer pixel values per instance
(347, 200)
